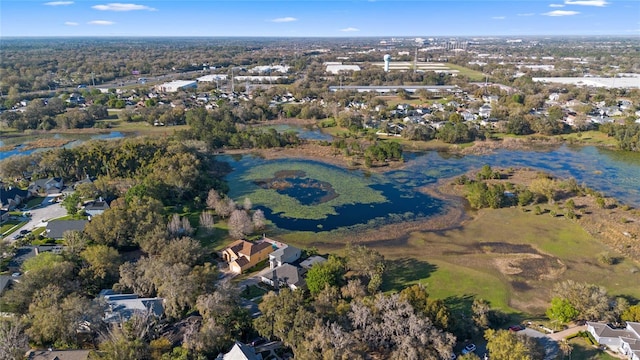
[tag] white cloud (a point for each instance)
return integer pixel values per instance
(122, 7)
(100, 22)
(71, 23)
(556, 5)
(561, 13)
(350, 29)
(526, 14)
(284, 19)
(599, 3)
(58, 3)
(499, 17)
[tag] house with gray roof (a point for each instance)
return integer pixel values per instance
(24, 253)
(96, 207)
(58, 354)
(12, 197)
(240, 351)
(284, 255)
(625, 341)
(57, 228)
(47, 186)
(121, 307)
(287, 275)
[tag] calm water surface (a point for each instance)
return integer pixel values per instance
(614, 173)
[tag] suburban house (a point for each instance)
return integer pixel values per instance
(242, 255)
(47, 186)
(240, 351)
(5, 282)
(287, 275)
(96, 207)
(285, 254)
(12, 197)
(485, 111)
(58, 354)
(121, 307)
(624, 341)
(24, 253)
(4, 215)
(57, 228)
(309, 262)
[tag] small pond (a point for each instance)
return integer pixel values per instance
(373, 199)
(77, 139)
(303, 133)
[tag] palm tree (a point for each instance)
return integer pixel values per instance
(566, 348)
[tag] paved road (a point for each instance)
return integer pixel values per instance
(564, 333)
(40, 215)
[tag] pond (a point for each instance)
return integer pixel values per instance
(303, 133)
(76, 139)
(362, 199)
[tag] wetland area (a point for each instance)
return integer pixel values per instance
(509, 256)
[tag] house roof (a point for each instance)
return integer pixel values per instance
(5, 280)
(246, 248)
(287, 273)
(316, 259)
(60, 355)
(57, 228)
(26, 252)
(240, 351)
(96, 205)
(123, 306)
(285, 253)
(242, 261)
(10, 194)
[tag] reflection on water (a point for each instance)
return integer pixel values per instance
(77, 139)
(614, 173)
(303, 133)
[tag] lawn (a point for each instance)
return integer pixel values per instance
(11, 225)
(35, 201)
(471, 74)
(253, 291)
(584, 351)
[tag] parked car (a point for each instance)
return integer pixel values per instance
(258, 341)
(24, 231)
(469, 348)
(516, 328)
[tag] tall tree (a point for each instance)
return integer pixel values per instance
(507, 345)
(13, 341)
(240, 225)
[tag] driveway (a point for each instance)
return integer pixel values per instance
(564, 333)
(40, 215)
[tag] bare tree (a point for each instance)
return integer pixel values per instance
(258, 219)
(13, 341)
(179, 226)
(213, 199)
(206, 221)
(240, 224)
(247, 205)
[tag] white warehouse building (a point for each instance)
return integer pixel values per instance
(177, 85)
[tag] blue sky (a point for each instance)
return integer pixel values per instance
(313, 18)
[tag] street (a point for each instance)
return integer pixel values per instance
(40, 215)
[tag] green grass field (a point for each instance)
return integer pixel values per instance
(506, 256)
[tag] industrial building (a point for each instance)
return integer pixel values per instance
(177, 85)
